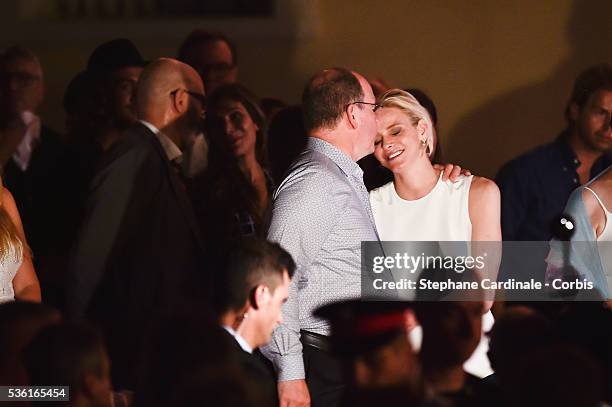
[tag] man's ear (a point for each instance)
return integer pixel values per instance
(180, 101)
(353, 121)
(260, 295)
(574, 111)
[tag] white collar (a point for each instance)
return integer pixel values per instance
(172, 151)
(241, 341)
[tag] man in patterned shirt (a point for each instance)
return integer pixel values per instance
(321, 214)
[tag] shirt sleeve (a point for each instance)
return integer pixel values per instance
(304, 213)
(513, 186)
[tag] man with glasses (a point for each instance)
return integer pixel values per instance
(30, 152)
(139, 254)
(321, 214)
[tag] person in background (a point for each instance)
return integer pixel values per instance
(139, 253)
(286, 140)
(249, 294)
(212, 55)
(536, 186)
(18, 279)
(232, 198)
(30, 155)
(20, 321)
(74, 356)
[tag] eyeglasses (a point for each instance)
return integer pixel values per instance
(22, 79)
(197, 96)
(375, 106)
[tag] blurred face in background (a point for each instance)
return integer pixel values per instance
(215, 63)
(234, 127)
(21, 86)
(122, 94)
(594, 120)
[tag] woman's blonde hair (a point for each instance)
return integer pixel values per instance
(10, 243)
(408, 104)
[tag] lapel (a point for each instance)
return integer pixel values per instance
(178, 188)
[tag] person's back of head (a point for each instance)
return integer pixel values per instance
(516, 332)
(170, 95)
(72, 355)
(326, 97)
(251, 262)
(19, 323)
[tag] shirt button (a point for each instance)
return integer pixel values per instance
(565, 169)
(576, 161)
(575, 180)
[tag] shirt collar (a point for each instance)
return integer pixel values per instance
(343, 161)
(567, 153)
(241, 341)
(172, 151)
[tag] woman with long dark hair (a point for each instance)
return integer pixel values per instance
(233, 196)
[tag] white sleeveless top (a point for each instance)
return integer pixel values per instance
(441, 215)
(9, 264)
(605, 254)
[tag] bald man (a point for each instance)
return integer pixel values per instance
(138, 254)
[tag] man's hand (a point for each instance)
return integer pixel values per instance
(451, 171)
(293, 393)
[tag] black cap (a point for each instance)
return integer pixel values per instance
(115, 54)
(359, 327)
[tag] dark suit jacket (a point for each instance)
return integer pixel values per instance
(35, 193)
(259, 375)
(138, 254)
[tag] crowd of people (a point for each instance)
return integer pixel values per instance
(187, 243)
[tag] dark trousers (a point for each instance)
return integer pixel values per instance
(323, 377)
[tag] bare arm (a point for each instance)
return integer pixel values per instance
(25, 283)
(485, 215)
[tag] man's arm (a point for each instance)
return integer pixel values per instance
(305, 212)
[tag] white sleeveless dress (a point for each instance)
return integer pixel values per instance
(605, 253)
(9, 264)
(441, 215)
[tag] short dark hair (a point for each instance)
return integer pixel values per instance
(591, 80)
(16, 52)
(251, 262)
(62, 354)
(326, 96)
(198, 37)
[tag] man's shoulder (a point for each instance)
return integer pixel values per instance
(311, 170)
(135, 141)
(529, 162)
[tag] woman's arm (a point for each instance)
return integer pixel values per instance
(484, 206)
(25, 283)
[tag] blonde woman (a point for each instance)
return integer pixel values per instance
(418, 205)
(17, 276)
